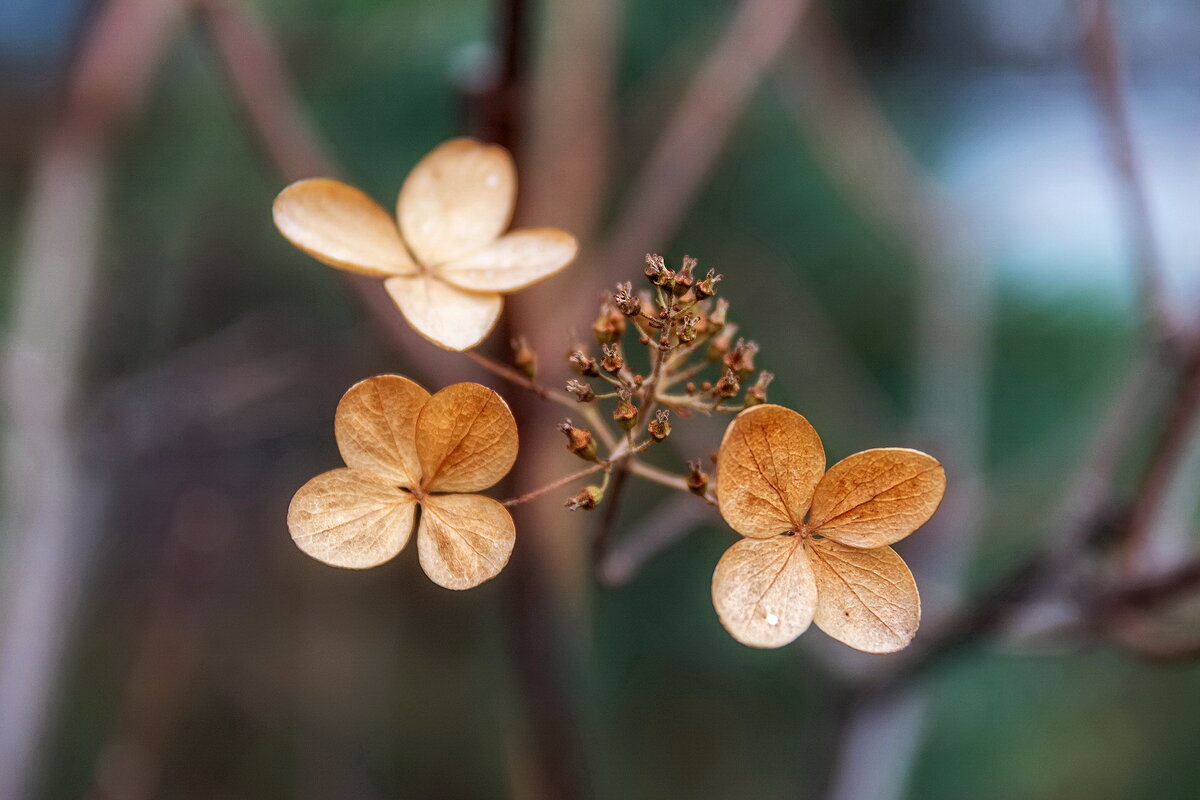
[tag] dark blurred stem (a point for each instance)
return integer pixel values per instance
(537, 628)
(1103, 59)
(257, 72)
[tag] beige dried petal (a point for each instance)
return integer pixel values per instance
(376, 428)
(865, 598)
(770, 461)
(466, 439)
(764, 592)
(449, 317)
(516, 260)
(877, 497)
(349, 518)
(339, 225)
(464, 539)
(457, 199)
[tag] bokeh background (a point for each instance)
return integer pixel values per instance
(916, 208)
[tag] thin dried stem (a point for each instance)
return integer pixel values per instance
(541, 490)
(659, 476)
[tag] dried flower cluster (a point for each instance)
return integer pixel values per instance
(817, 542)
(816, 546)
(405, 449)
(446, 264)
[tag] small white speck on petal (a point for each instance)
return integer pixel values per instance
(772, 619)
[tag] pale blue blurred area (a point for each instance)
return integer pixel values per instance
(1024, 153)
(35, 34)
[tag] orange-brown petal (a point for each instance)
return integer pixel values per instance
(457, 199)
(349, 518)
(343, 227)
(376, 428)
(763, 591)
(449, 317)
(464, 539)
(865, 598)
(769, 462)
(877, 497)
(516, 260)
(466, 439)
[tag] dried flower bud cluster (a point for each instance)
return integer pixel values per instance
(669, 347)
(684, 329)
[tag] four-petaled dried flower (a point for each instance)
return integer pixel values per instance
(816, 546)
(445, 259)
(404, 448)
(660, 427)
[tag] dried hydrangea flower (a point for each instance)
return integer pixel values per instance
(405, 449)
(446, 263)
(816, 546)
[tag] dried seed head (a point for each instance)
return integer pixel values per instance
(741, 358)
(582, 363)
(697, 478)
(612, 360)
(579, 441)
(708, 286)
(657, 272)
(660, 427)
(718, 346)
(687, 327)
(757, 394)
(626, 301)
(582, 390)
(588, 498)
(524, 359)
(729, 385)
(719, 313)
(684, 279)
(626, 413)
(609, 325)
